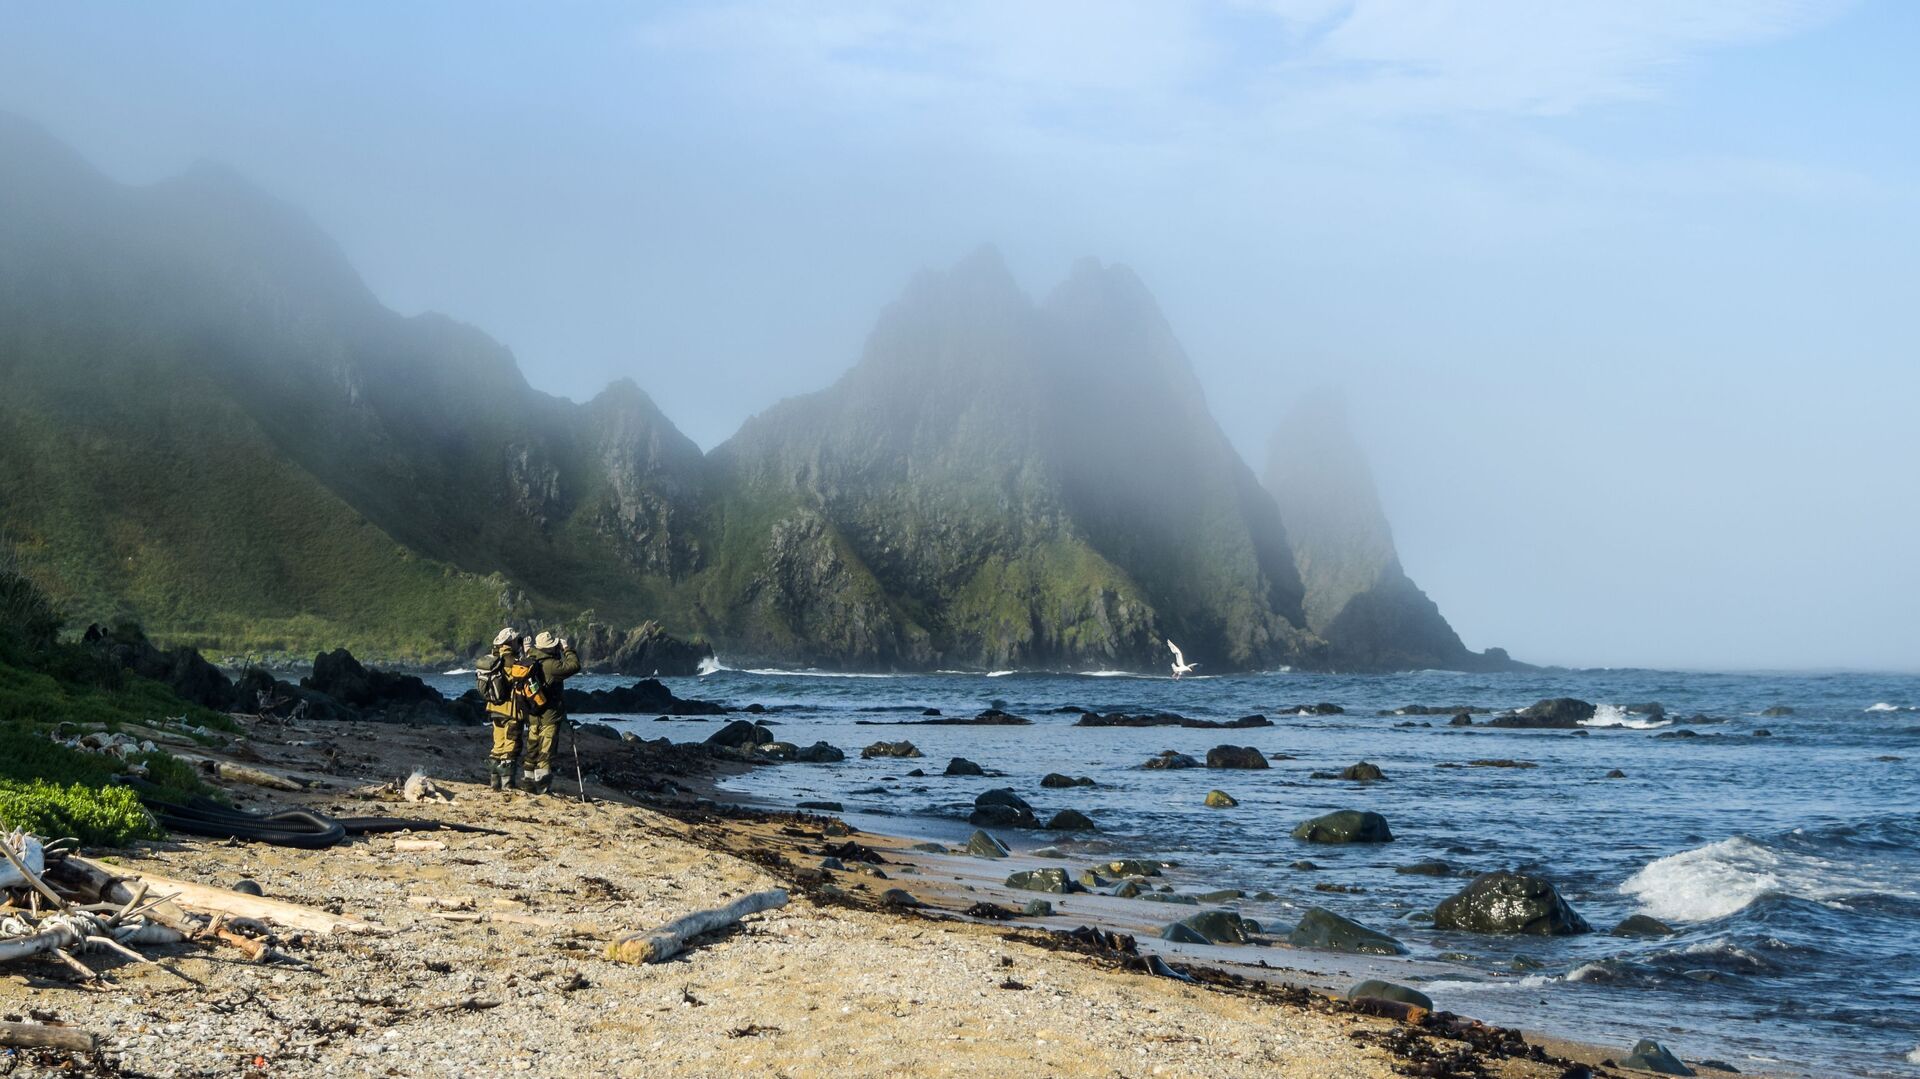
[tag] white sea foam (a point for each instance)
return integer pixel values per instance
(711, 665)
(1105, 674)
(1885, 706)
(1914, 1057)
(459, 670)
(1612, 715)
(1590, 972)
(998, 674)
(1722, 878)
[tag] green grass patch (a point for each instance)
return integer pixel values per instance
(97, 816)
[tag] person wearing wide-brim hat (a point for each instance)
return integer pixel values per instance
(553, 661)
(498, 672)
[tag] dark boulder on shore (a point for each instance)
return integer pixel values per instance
(741, 734)
(1044, 880)
(1055, 780)
(1507, 902)
(1650, 1055)
(1345, 826)
(1375, 989)
(1209, 927)
(1236, 757)
(384, 695)
(982, 845)
(1323, 930)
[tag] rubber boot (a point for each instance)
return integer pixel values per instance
(495, 779)
(543, 785)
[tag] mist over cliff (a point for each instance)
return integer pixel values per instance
(215, 428)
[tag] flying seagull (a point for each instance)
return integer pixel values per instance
(1180, 664)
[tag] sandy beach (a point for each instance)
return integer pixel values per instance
(491, 954)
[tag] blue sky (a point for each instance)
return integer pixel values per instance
(1620, 292)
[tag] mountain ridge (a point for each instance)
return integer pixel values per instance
(237, 444)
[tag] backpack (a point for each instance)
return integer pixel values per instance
(528, 681)
(491, 672)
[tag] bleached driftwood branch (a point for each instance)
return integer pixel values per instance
(669, 940)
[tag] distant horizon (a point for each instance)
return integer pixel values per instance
(1615, 296)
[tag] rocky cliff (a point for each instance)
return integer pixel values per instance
(1358, 599)
(213, 427)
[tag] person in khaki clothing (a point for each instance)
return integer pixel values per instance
(551, 662)
(498, 672)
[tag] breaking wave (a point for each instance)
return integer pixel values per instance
(1612, 715)
(1726, 877)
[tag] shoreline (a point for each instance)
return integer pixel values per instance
(835, 983)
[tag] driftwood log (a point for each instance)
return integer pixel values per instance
(241, 773)
(115, 888)
(656, 945)
(41, 1036)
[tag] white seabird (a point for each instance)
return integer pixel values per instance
(1180, 664)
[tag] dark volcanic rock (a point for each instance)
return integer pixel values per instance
(1071, 820)
(1001, 808)
(961, 766)
(1364, 772)
(646, 696)
(820, 753)
(1219, 799)
(982, 845)
(890, 749)
(1168, 719)
(1650, 1055)
(1554, 713)
(1375, 989)
(1431, 867)
(1213, 927)
(398, 698)
(1323, 930)
(1460, 719)
(1043, 880)
(1506, 902)
(1182, 933)
(1777, 711)
(1236, 757)
(1321, 709)
(1641, 925)
(1167, 758)
(1438, 710)
(992, 717)
(1056, 780)
(1345, 826)
(646, 649)
(740, 734)
(1615, 774)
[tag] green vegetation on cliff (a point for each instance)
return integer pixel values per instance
(213, 429)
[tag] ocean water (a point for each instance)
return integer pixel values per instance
(1790, 864)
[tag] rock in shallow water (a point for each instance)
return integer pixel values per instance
(1640, 925)
(1431, 867)
(1345, 826)
(1365, 772)
(1167, 758)
(1236, 757)
(961, 766)
(1071, 820)
(1056, 780)
(1217, 799)
(890, 749)
(1506, 902)
(1323, 930)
